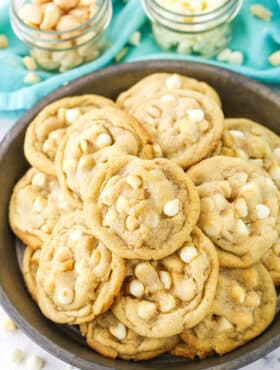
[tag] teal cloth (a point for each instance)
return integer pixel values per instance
(255, 38)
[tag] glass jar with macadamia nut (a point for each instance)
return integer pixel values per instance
(62, 34)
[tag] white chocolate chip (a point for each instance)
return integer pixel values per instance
(241, 153)
(122, 204)
(167, 98)
(65, 296)
(146, 309)
(188, 253)
(236, 58)
(224, 324)
(262, 211)
(17, 356)
(152, 220)
(241, 207)
(241, 228)
(173, 82)
(135, 39)
(131, 223)
(165, 278)
(34, 363)
(276, 152)
(157, 150)
(224, 55)
(31, 78)
(236, 133)
(252, 299)
(29, 63)
(31, 14)
(207, 204)
(8, 325)
(134, 181)
(196, 115)
(249, 188)
(258, 162)
(274, 59)
(212, 228)
(237, 294)
(110, 218)
(275, 172)
(166, 303)
(39, 179)
(39, 204)
(51, 17)
(172, 208)
(119, 331)
(103, 140)
(3, 42)
(75, 235)
(86, 162)
(72, 115)
(136, 288)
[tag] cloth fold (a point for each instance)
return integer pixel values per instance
(255, 38)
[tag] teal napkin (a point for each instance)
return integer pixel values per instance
(255, 38)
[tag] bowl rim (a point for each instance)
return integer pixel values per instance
(34, 334)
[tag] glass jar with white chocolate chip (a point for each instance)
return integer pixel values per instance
(62, 34)
(198, 27)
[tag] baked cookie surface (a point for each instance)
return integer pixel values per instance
(271, 260)
(161, 298)
(155, 83)
(99, 136)
(184, 126)
(243, 308)
(35, 206)
(30, 263)
(108, 336)
(77, 277)
(239, 208)
(47, 130)
(141, 208)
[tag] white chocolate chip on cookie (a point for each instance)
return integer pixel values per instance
(172, 208)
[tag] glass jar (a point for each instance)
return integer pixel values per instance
(61, 51)
(204, 33)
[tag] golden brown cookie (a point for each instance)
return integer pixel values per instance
(184, 126)
(99, 136)
(108, 336)
(48, 128)
(271, 260)
(162, 298)
(141, 209)
(239, 208)
(35, 206)
(155, 83)
(77, 277)
(185, 350)
(244, 306)
(30, 265)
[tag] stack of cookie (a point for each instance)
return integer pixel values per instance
(152, 222)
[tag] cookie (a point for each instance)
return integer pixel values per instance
(243, 308)
(184, 126)
(185, 350)
(155, 83)
(247, 139)
(271, 260)
(141, 208)
(77, 277)
(239, 208)
(98, 136)
(108, 336)
(35, 206)
(30, 263)
(48, 128)
(161, 298)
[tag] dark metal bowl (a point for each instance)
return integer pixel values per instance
(240, 96)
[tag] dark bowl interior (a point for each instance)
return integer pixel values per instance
(240, 96)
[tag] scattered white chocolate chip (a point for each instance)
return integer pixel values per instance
(241, 207)
(103, 140)
(259, 11)
(34, 363)
(236, 133)
(8, 325)
(172, 208)
(196, 115)
(152, 220)
(262, 211)
(146, 309)
(136, 288)
(274, 59)
(72, 115)
(39, 179)
(241, 153)
(29, 63)
(17, 356)
(3, 42)
(122, 204)
(134, 181)
(65, 296)
(224, 55)
(236, 58)
(157, 150)
(110, 217)
(237, 294)
(39, 204)
(188, 253)
(131, 223)
(212, 228)
(276, 152)
(252, 299)
(76, 235)
(135, 39)
(275, 172)
(241, 228)
(224, 324)
(165, 278)
(173, 82)
(119, 331)
(167, 98)
(166, 303)
(31, 78)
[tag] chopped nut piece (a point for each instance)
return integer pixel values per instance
(259, 11)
